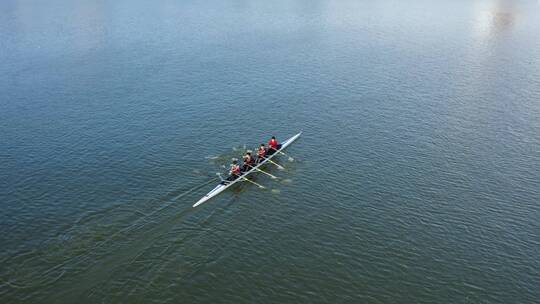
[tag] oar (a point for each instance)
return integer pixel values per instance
(283, 153)
(262, 171)
(248, 180)
(278, 165)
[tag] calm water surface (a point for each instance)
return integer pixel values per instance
(417, 178)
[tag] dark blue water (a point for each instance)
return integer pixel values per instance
(416, 180)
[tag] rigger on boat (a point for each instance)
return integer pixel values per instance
(237, 173)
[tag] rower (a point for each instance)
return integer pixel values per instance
(261, 153)
(249, 161)
(273, 146)
(234, 173)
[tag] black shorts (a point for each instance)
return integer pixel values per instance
(272, 151)
(229, 179)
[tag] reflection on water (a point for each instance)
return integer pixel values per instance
(494, 17)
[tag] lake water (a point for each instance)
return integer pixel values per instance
(416, 179)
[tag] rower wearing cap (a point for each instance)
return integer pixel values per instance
(273, 146)
(234, 173)
(249, 161)
(261, 153)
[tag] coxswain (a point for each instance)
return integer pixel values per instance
(273, 146)
(249, 161)
(261, 153)
(234, 173)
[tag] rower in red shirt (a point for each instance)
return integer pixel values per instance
(261, 153)
(234, 173)
(273, 146)
(235, 169)
(249, 161)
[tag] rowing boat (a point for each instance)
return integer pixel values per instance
(221, 187)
